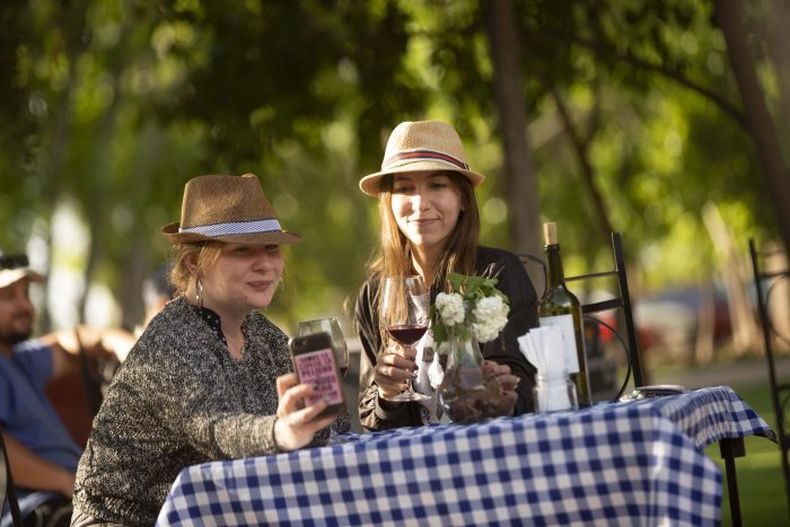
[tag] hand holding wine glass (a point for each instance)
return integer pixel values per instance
(404, 317)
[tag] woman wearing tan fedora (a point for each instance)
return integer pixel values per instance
(429, 225)
(209, 377)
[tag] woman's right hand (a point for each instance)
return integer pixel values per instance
(296, 423)
(394, 366)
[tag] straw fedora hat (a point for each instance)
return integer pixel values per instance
(230, 209)
(15, 267)
(421, 146)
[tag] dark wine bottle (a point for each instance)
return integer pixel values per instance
(559, 307)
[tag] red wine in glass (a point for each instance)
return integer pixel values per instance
(407, 334)
(404, 314)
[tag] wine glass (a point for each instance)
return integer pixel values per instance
(332, 326)
(404, 316)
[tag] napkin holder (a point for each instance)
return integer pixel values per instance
(553, 391)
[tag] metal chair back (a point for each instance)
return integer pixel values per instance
(621, 301)
(7, 490)
(764, 283)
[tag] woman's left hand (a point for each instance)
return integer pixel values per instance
(508, 381)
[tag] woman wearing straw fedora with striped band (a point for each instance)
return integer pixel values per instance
(429, 226)
(209, 377)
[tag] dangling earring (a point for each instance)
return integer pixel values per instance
(199, 294)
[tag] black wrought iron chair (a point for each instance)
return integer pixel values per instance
(7, 490)
(621, 301)
(730, 448)
(765, 282)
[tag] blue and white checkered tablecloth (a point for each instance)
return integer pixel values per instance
(637, 463)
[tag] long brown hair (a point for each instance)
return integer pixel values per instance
(393, 257)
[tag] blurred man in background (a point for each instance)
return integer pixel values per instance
(43, 457)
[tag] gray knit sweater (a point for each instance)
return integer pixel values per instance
(179, 399)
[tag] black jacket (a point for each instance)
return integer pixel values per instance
(513, 282)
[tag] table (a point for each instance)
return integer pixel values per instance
(635, 463)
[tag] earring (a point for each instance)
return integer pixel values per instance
(199, 294)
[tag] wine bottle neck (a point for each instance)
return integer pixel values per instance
(555, 274)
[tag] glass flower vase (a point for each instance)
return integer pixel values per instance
(467, 394)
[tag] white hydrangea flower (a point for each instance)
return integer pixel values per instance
(451, 308)
(490, 316)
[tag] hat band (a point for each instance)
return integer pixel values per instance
(422, 155)
(234, 227)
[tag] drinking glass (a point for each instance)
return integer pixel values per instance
(404, 316)
(332, 326)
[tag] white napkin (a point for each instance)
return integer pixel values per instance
(543, 348)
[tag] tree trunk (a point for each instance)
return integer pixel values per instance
(135, 269)
(520, 177)
(58, 144)
(94, 200)
(729, 16)
(58, 148)
(745, 337)
(779, 50)
(580, 148)
(137, 256)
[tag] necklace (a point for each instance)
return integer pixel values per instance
(235, 347)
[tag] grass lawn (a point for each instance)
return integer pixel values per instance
(760, 483)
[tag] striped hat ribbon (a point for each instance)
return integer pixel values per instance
(234, 227)
(410, 156)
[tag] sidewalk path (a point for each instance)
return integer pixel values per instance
(742, 373)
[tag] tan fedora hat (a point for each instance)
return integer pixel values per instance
(230, 209)
(421, 146)
(15, 267)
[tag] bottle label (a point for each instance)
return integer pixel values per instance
(565, 323)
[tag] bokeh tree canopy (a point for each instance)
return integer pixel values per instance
(636, 122)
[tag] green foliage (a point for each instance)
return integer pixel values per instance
(474, 288)
(115, 105)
